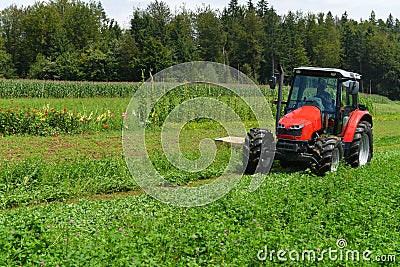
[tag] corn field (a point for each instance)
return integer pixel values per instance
(64, 89)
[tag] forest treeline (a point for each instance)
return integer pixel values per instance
(75, 40)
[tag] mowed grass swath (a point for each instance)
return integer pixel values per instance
(69, 200)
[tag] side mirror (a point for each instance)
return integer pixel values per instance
(272, 82)
(354, 88)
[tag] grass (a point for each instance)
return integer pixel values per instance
(62, 148)
(70, 201)
(60, 168)
(387, 112)
(295, 211)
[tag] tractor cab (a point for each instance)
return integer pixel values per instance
(320, 101)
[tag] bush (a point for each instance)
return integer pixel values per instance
(368, 102)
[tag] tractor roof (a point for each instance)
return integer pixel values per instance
(328, 72)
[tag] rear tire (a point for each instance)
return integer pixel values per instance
(259, 144)
(329, 155)
(361, 149)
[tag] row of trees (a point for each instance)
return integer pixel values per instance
(74, 40)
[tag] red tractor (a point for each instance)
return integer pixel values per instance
(323, 122)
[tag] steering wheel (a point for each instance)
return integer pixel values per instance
(313, 101)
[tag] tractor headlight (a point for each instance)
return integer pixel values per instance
(281, 126)
(296, 127)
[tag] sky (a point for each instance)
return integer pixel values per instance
(120, 10)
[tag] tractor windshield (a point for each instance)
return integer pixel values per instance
(313, 91)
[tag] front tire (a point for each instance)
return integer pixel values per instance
(286, 164)
(329, 155)
(294, 165)
(258, 151)
(361, 149)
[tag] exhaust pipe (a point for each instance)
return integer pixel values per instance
(279, 104)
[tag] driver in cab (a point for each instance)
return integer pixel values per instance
(325, 97)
